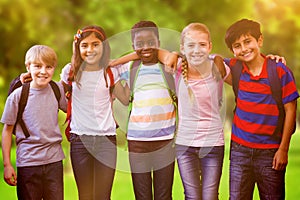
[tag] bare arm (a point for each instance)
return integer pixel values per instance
(281, 157)
(169, 59)
(124, 59)
(228, 79)
(219, 61)
(10, 175)
(122, 92)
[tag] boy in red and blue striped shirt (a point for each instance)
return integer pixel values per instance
(257, 154)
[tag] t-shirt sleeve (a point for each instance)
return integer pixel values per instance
(9, 115)
(123, 71)
(65, 73)
(289, 88)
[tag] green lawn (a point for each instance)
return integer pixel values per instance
(122, 188)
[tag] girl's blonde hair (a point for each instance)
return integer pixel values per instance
(41, 53)
(196, 26)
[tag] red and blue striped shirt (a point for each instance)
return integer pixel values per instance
(256, 113)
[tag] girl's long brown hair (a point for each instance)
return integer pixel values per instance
(77, 63)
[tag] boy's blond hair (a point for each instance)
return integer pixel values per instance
(41, 53)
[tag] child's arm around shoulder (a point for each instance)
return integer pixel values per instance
(124, 59)
(169, 59)
(219, 62)
(10, 175)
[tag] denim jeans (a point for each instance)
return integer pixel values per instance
(249, 166)
(200, 169)
(152, 158)
(41, 182)
(93, 161)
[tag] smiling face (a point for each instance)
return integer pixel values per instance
(41, 74)
(91, 50)
(246, 48)
(146, 45)
(40, 61)
(196, 46)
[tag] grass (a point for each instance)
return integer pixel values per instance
(122, 188)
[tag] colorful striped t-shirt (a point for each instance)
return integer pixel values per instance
(153, 115)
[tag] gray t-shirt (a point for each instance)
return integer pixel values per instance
(41, 118)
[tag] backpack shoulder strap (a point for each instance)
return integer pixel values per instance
(236, 68)
(69, 106)
(275, 86)
(133, 73)
(111, 79)
(274, 80)
(169, 79)
(14, 84)
(56, 91)
(170, 82)
(22, 105)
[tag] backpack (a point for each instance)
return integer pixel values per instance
(236, 67)
(168, 79)
(69, 98)
(16, 83)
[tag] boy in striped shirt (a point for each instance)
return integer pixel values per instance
(151, 123)
(257, 154)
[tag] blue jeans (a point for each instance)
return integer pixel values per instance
(152, 158)
(93, 161)
(249, 166)
(41, 182)
(200, 169)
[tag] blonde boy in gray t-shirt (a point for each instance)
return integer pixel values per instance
(39, 156)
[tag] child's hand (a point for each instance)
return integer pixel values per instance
(10, 175)
(280, 160)
(168, 59)
(277, 58)
(25, 77)
(171, 62)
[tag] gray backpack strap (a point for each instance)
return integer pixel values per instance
(133, 70)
